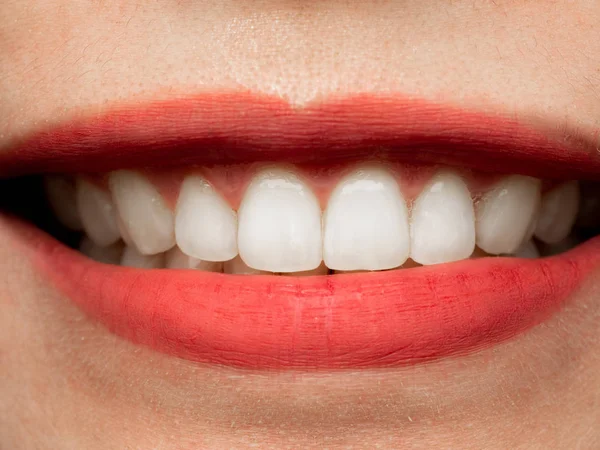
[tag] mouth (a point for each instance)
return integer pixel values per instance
(365, 232)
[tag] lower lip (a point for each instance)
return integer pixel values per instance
(380, 319)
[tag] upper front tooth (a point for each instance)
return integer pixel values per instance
(505, 214)
(144, 214)
(558, 213)
(97, 213)
(442, 222)
(280, 224)
(60, 192)
(205, 225)
(366, 223)
(176, 259)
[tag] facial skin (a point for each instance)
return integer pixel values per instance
(67, 382)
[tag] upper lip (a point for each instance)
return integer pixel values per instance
(233, 128)
(342, 321)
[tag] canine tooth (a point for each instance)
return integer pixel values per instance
(366, 223)
(528, 250)
(238, 267)
(144, 214)
(558, 213)
(133, 258)
(279, 226)
(506, 213)
(205, 225)
(108, 255)
(60, 192)
(176, 259)
(97, 213)
(443, 222)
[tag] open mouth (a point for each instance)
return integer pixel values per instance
(363, 233)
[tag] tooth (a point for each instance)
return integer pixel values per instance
(321, 270)
(97, 213)
(442, 222)
(132, 258)
(143, 212)
(107, 255)
(176, 259)
(505, 214)
(279, 224)
(239, 267)
(558, 213)
(366, 223)
(60, 192)
(568, 243)
(528, 250)
(123, 231)
(205, 225)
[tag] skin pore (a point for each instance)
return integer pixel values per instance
(67, 382)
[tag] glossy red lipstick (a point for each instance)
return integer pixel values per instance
(343, 321)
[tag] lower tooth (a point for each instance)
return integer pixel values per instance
(238, 267)
(132, 258)
(176, 259)
(528, 250)
(107, 255)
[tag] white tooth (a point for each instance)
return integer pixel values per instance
(321, 270)
(239, 267)
(123, 231)
(443, 222)
(107, 255)
(143, 212)
(528, 250)
(97, 213)
(280, 224)
(60, 192)
(505, 214)
(366, 223)
(176, 259)
(132, 258)
(205, 225)
(558, 213)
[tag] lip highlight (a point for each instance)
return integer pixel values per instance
(381, 319)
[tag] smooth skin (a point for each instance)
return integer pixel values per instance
(68, 383)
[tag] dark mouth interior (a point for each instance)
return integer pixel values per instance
(24, 197)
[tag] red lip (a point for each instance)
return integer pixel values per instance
(360, 320)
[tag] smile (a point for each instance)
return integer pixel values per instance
(364, 232)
